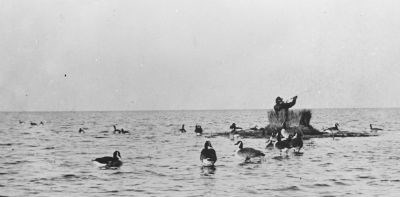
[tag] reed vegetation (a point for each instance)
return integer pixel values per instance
(298, 121)
(295, 118)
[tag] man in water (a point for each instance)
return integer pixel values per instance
(280, 105)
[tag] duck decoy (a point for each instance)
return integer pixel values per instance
(198, 130)
(297, 141)
(109, 162)
(208, 156)
(374, 130)
(123, 131)
(81, 130)
(116, 130)
(270, 143)
(333, 130)
(282, 144)
(247, 153)
(182, 130)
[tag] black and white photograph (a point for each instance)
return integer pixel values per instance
(199, 98)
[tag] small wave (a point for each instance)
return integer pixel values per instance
(365, 177)
(70, 176)
(340, 183)
(325, 164)
(290, 188)
(280, 158)
(321, 185)
(135, 190)
(394, 157)
(14, 163)
(155, 173)
(394, 180)
(119, 172)
(143, 157)
(8, 144)
(360, 169)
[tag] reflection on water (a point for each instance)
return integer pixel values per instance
(208, 170)
(55, 160)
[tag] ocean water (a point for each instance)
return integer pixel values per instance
(55, 160)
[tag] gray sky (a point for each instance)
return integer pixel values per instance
(183, 54)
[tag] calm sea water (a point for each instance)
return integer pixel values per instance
(55, 160)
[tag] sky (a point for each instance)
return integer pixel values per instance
(185, 54)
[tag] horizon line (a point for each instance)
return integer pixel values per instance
(155, 110)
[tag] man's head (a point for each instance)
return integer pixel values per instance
(278, 100)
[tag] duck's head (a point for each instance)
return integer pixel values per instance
(298, 135)
(240, 143)
(269, 143)
(337, 124)
(207, 145)
(117, 155)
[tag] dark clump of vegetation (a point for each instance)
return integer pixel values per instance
(295, 118)
(298, 120)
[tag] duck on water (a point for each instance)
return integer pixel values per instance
(282, 144)
(198, 130)
(297, 142)
(333, 130)
(81, 130)
(208, 156)
(120, 130)
(374, 130)
(109, 162)
(247, 153)
(183, 130)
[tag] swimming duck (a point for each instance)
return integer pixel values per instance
(374, 130)
(333, 130)
(297, 141)
(33, 124)
(109, 162)
(124, 131)
(116, 130)
(247, 153)
(208, 156)
(282, 144)
(270, 143)
(81, 130)
(182, 130)
(198, 130)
